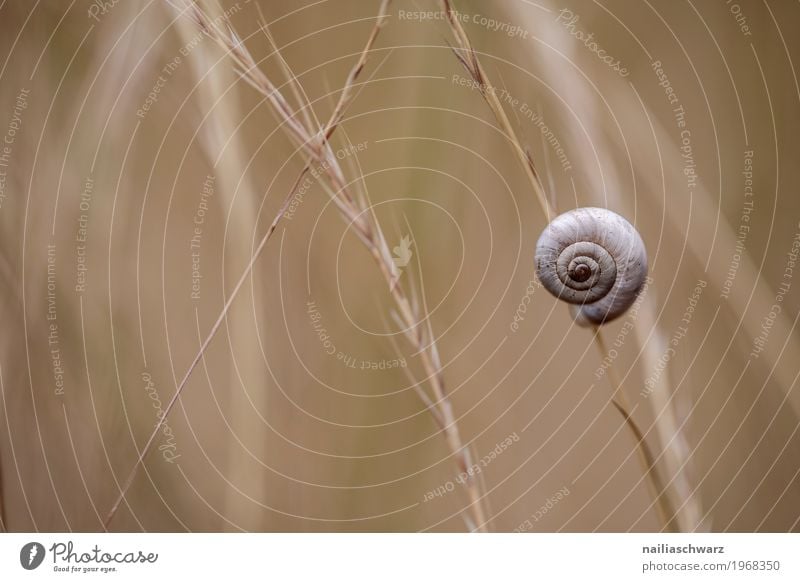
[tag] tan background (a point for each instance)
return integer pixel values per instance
(273, 433)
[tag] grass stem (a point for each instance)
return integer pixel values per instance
(664, 508)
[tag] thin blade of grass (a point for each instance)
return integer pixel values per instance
(241, 57)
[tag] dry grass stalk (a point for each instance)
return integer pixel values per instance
(466, 54)
(658, 490)
(313, 141)
(205, 24)
(468, 57)
(218, 98)
(674, 459)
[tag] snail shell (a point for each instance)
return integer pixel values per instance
(594, 259)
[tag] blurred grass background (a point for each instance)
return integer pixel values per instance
(275, 434)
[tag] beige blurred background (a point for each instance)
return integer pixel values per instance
(273, 433)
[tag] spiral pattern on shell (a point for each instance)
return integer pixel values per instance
(594, 259)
